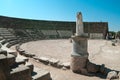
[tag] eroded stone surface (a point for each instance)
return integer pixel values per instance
(21, 73)
(53, 62)
(66, 64)
(3, 52)
(91, 67)
(44, 60)
(112, 75)
(30, 65)
(78, 63)
(41, 75)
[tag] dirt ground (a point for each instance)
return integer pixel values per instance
(100, 52)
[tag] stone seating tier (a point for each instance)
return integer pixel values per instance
(64, 33)
(21, 73)
(16, 68)
(40, 74)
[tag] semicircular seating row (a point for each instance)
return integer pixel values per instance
(10, 37)
(14, 66)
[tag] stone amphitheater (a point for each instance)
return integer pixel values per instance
(35, 54)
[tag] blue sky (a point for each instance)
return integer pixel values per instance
(64, 10)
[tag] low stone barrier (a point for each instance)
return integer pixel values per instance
(53, 62)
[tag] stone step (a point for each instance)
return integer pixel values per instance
(1, 37)
(23, 52)
(10, 59)
(22, 57)
(11, 43)
(21, 73)
(0, 45)
(9, 50)
(3, 41)
(2, 57)
(30, 65)
(40, 74)
(19, 61)
(6, 44)
(13, 53)
(3, 52)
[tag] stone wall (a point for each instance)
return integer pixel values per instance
(17, 23)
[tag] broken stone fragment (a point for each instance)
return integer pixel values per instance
(113, 44)
(36, 58)
(41, 74)
(53, 62)
(45, 60)
(66, 64)
(64, 68)
(119, 75)
(59, 65)
(31, 55)
(112, 75)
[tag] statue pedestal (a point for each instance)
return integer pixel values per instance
(79, 46)
(79, 55)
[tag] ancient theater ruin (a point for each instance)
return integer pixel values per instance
(57, 50)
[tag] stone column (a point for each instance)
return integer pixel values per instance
(79, 55)
(79, 25)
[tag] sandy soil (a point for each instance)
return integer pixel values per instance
(100, 52)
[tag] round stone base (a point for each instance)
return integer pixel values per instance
(92, 68)
(78, 64)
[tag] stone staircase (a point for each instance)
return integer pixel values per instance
(4, 32)
(64, 33)
(49, 34)
(18, 68)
